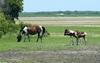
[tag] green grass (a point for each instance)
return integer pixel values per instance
(56, 41)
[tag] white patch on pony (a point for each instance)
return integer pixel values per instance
(85, 33)
(71, 31)
(41, 30)
(25, 29)
(75, 33)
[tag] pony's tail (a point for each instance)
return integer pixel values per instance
(45, 31)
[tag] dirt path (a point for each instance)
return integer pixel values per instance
(87, 55)
(61, 20)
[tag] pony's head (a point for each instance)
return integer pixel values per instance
(19, 37)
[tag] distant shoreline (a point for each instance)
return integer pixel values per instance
(61, 14)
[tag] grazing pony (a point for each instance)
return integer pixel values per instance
(29, 29)
(76, 34)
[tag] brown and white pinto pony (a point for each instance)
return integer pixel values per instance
(76, 34)
(29, 29)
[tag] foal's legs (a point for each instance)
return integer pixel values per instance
(72, 40)
(84, 40)
(77, 40)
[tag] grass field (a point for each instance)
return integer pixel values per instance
(55, 48)
(56, 40)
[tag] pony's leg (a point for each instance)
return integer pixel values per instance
(38, 37)
(25, 37)
(41, 38)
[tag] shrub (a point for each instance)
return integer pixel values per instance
(7, 26)
(1, 33)
(3, 23)
(12, 28)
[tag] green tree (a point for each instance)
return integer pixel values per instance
(12, 9)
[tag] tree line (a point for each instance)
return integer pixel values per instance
(60, 14)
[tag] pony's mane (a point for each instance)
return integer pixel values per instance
(30, 25)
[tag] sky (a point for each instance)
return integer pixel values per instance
(61, 5)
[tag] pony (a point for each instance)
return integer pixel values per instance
(29, 29)
(76, 34)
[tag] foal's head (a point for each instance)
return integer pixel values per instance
(69, 32)
(66, 32)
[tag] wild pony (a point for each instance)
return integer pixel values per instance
(76, 34)
(29, 29)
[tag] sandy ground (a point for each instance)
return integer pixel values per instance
(61, 20)
(86, 55)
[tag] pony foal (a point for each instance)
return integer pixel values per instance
(75, 34)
